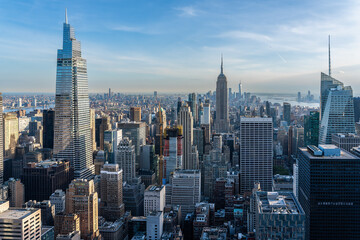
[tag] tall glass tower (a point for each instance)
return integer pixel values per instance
(337, 109)
(72, 132)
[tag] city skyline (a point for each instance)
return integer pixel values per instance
(171, 47)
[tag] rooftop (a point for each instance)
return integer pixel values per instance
(19, 213)
(276, 203)
(343, 154)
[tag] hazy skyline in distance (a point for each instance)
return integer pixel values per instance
(175, 46)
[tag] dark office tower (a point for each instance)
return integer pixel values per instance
(268, 109)
(179, 104)
(135, 114)
(34, 127)
(193, 106)
(48, 124)
(72, 129)
(287, 112)
(1, 143)
(311, 128)
(256, 153)
(42, 179)
(356, 109)
(101, 125)
(329, 187)
(222, 103)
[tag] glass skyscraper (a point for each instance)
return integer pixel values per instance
(337, 109)
(72, 132)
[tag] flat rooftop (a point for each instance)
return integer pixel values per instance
(278, 203)
(343, 155)
(20, 213)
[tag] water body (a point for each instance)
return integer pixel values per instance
(30, 109)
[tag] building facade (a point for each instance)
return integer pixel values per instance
(256, 153)
(72, 130)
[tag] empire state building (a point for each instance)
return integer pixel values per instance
(222, 103)
(72, 133)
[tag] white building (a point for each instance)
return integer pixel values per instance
(154, 225)
(256, 153)
(154, 199)
(186, 189)
(58, 199)
(185, 119)
(19, 223)
(125, 157)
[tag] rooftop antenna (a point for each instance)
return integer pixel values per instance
(329, 59)
(222, 63)
(66, 19)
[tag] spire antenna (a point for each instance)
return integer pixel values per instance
(66, 18)
(329, 59)
(222, 64)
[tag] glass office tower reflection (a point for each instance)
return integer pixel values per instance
(72, 133)
(337, 109)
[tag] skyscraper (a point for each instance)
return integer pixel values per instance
(185, 119)
(82, 199)
(112, 207)
(11, 134)
(135, 114)
(72, 132)
(287, 112)
(256, 153)
(222, 103)
(311, 128)
(1, 143)
(337, 107)
(48, 125)
(173, 155)
(125, 157)
(328, 191)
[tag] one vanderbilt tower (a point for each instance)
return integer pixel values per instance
(72, 134)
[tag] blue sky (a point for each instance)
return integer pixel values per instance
(175, 46)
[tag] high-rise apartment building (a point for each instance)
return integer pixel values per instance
(185, 119)
(43, 178)
(337, 109)
(125, 158)
(328, 188)
(135, 114)
(11, 134)
(186, 189)
(256, 153)
(222, 103)
(173, 154)
(19, 223)
(154, 199)
(82, 199)
(101, 125)
(111, 186)
(205, 118)
(72, 133)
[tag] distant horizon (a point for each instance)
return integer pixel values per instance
(176, 46)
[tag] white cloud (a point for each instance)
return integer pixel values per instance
(187, 11)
